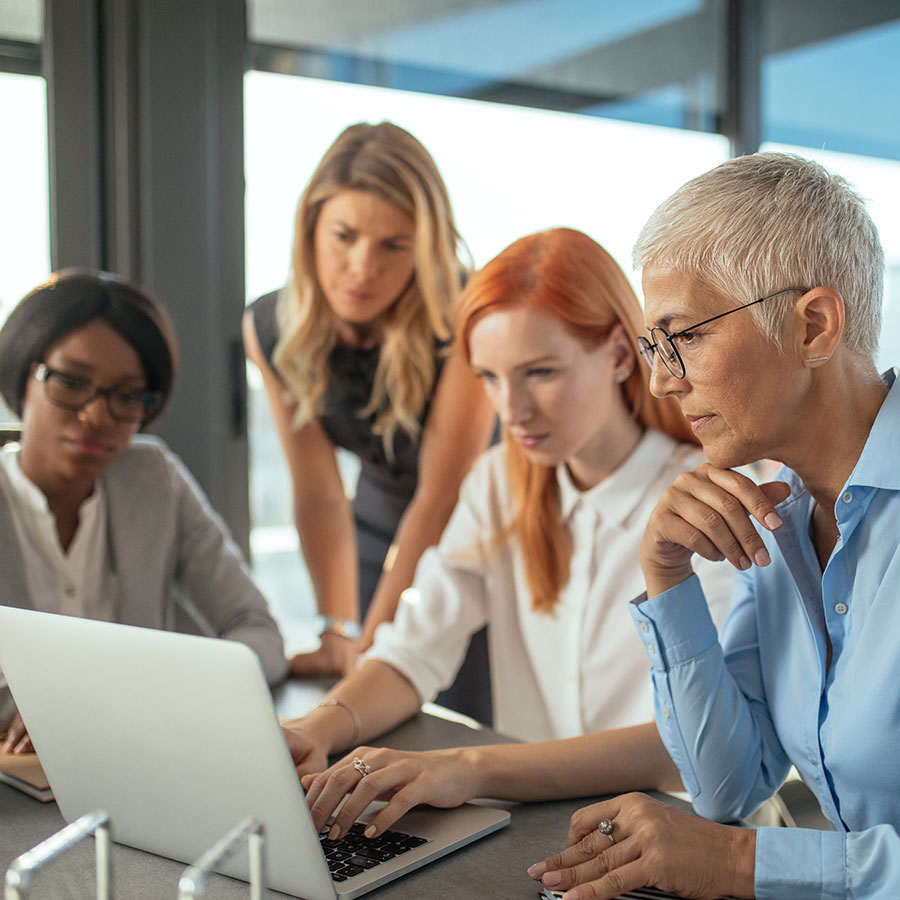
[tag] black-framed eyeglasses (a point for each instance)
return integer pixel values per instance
(665, 344)
(72, 392)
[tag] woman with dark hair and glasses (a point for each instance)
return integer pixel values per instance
(804, 672)
(95, 521)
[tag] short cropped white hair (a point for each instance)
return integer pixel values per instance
(761, 223)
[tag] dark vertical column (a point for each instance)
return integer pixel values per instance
(190, 222)
(742, 119)
(71, 65)
(147, 174)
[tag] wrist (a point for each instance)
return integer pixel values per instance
(341, 716)
(659, 579)
(343, 628)
(322, 725)
(743, 841)
(475, 765)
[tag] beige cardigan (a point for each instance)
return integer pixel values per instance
(177, 567)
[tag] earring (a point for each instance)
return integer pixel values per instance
(816, 359)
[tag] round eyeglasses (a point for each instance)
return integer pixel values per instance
(72, 392)
(662, 344)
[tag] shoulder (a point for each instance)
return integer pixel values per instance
(148, 460)
(487, 483)
(670, 457)
(143, 449)
(264, 314)
(489, 468)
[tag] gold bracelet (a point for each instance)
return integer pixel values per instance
(353, 715)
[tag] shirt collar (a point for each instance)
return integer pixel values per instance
(876, 466)
(26, 491)
(617, 496)
(28, 494)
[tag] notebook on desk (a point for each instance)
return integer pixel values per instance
(177, 738)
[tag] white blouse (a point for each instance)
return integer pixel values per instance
(579, 669)
(76, 582)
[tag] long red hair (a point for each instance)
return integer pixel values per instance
(566, 274)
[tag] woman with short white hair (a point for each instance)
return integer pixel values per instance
(762, 283)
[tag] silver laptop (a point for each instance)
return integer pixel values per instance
(176, 737)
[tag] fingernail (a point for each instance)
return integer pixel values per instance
(370, 831)
(744, 563)
(761, 557)
(335, 832)
(571, 895)
(773, 521)
(537, 870)
(552, 878)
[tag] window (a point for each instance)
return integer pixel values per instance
(510, 170)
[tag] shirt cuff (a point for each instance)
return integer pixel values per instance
(800, 863)
(675, 626)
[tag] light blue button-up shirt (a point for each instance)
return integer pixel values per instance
(736, 714)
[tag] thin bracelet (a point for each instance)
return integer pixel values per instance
(353, 715)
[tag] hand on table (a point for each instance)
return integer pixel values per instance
(404, 779)
(17, 740)
(308, 754)
(708, 511)
(335, 655)
(655, 845)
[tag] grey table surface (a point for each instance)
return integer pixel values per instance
(493, 867)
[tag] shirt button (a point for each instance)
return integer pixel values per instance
(651, 649)
(840, 608)
(847, 497)
(665, 712)
(645, 627)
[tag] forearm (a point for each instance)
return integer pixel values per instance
(712, 717)
(420, 528)
(328, 542)
(608, 762)
(378, 694)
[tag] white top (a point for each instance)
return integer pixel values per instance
(579, 669)
(77, 582)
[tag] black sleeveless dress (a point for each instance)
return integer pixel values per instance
(386, 486)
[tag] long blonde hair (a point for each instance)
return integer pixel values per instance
(566, 274)
(388, 161)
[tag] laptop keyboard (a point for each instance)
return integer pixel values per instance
(354, 852)
(647, 893)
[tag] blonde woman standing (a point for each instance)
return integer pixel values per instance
(352, 354)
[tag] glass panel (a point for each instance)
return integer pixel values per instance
(509, 170)
(22, 20)
(655, 61)
(25, 223)
(829, 75)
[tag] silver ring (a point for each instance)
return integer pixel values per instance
(606, 827)
(361, 766)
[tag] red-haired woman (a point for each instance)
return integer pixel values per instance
(543, 547)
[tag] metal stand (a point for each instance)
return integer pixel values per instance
(20, 873)
(193, 881)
